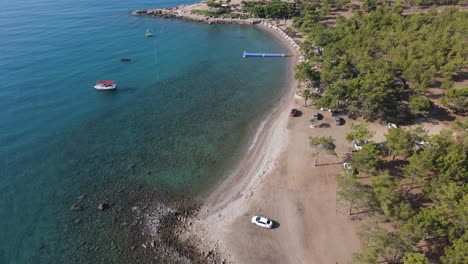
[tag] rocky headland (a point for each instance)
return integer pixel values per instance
(184, 13)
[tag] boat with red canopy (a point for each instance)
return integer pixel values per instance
(105, 85)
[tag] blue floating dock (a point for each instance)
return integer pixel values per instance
(250, 54)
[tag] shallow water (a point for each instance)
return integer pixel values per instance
(186, 107)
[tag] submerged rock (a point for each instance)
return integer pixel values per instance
(103, 206)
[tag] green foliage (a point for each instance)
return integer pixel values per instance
(453, 166)
(415, 258)
(397, 7)
(360, 131)
(458, 228)
(385, 194)
(352, 193)
(399, 142)
(461, 132)
(325, 143)
(380, 244)
(428, 222)
(417, 169)
(274, 9)
(308, 17)
(420, 105)
(306, 93)
(403, 211)
(433, 2)
(258, 11)
(451, 196)
(440, 172)
(457, 254)
(363, 55)
(367, 159)
(394, 112)
(325, 10)
(213, 4)
(419, 134)
(340, 4)
(305, 72)
(457, 100)
(369, 5)
(371, 235)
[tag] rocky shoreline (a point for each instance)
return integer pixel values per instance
(134, 223)
(177, 13)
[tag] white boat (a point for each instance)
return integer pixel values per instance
(148, 33)
(105, 85)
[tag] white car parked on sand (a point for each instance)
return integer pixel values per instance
(262, 221)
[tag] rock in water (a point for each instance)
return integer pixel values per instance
(103, 206)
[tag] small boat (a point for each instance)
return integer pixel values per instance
(148, 33)
(105, 85)
(125, 59)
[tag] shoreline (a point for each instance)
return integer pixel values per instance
(260, 159)
(264, 148)
(263, 140)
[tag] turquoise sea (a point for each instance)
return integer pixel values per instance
(186, 107)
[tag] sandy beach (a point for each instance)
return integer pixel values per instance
(277, 179)
(269, 142)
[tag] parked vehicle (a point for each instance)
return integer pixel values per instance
(424, 144)
(349, 169)
(315, 116)
(392, 125)
(337, 120)
(294, 112)
(262, 221)
(347, 166)
(357, 144)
